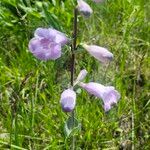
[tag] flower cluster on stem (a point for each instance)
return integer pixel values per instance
(47, 44)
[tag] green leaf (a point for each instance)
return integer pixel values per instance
(72, 126)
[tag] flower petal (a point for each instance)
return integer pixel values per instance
(110, 98)
(93, 88)
(107, 93)
(34, 43)
(60, 37)
(68, 100)
(53, 52)
(43, 33)
(84, 8)
(100, 53)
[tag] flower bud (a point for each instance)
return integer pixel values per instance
(100, 53)
(107, 93)
(84, 8)
(81, 76)
(68, 100)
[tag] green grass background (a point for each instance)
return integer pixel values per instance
(30, 113)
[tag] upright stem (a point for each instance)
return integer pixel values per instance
(74, 45)
(73, 48)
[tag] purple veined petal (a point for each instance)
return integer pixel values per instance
(43, 33)
(84, 8)
(110, 97)
(60, 37)
(107, 93)
(54, 52)
(68, 100)
(34, 43)
(44, 49)
(100, 53)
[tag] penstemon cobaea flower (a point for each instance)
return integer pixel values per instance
(68, 100)
(47, 43)
(108, 94)
(84, 8)
(100, 53)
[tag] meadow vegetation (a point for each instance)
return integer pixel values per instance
(30, 112)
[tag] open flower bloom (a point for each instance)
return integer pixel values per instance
(81, 76)
(100, 53)
(107, 93)
(47, 43)
(84, 8)
(68, 100)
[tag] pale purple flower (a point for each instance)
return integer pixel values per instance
(47, 43)
(100, 53)
(68, 100)
(107, 93)
(84, 8)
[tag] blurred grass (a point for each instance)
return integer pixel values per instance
(30, 114)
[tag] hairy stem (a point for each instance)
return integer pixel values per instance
(73, 48)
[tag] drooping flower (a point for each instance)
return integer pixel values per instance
(47, 43)
(100, 53)
(107, 93)
(68, 100)
(81, 76)
(84, 8)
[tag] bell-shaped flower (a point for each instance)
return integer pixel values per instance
(68, 100)
(107, 93)
(47, 43)
(100, 53)
(84, 8)
(81, 76)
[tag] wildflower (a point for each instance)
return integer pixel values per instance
(68, 100)
(84, 8)
(100, 53)
(81, 76)
(47, 43)
(107, 93)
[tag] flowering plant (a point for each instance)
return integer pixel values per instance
(47, 44)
